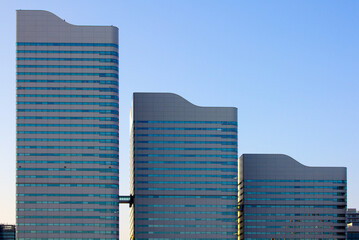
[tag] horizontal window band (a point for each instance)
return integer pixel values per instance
(192, 122)
(294, 220)
(104, 104)
(73, 217)
(296, 214)
(224, 163)
(191, 169)
(295, 233)
(75, 177)
(113, 75)
(70, 155)
(298, 193)
(186, 155)
(186, 135)
(69, 147)
(231, 220)
(293, 180)
(294, 206)
(182, 205)
(39, 238)
(187, 149)
(66, 185)
(66, 140)
(69, 66)
(70, 169)
(67, 232)
(67, 81)
(115, 90)
(187, 129)
(65, 195)
(185, 226)
(187, 232)
(188, 196)
(67, 125)
(187, 189)
(185, 238)
(296, 199)
(115, 112)
(112, 60)
(234, 213)
(186, 182)
(108, 203)
(71, 118)
(267, 238)
(69, 132)
(66, 44)
(304, 187)
(190, 142)
(66, 210)
(187, 175)
(178, 239)
(289, 227)
(71, 224)
(70, 52)
(68, 96)
(69, 162)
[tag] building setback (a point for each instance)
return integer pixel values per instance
(282, 199)
(67, 129)
(184, 169)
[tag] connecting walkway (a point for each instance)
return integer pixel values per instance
(125, 200)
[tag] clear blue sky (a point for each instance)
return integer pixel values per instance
(291, 68)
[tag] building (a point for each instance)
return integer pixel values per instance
(352, 232)
(7, 232)
(283, 199)
(184, 169)
(67, 129)
(353, 216)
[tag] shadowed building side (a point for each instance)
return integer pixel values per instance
(7, 232)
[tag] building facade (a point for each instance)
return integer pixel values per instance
(184, 169)
(7, 232)
(352, 232)
(353, 216)
(282, 199)
(67, 129)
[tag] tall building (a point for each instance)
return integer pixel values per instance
(7, 232)
(283, 199)
(353, 216)
(184, 169)
(67, 129)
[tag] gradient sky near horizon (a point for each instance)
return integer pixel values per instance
(290, 67)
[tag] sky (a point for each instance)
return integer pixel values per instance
(290, 67)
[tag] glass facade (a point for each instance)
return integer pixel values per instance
(184, 168)
(67, 129)
(280, 198)
(353, 216)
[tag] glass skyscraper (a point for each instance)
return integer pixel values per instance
(283, 199)
(184, 169)
(67, 129)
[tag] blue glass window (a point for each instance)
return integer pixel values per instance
(70, 52)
